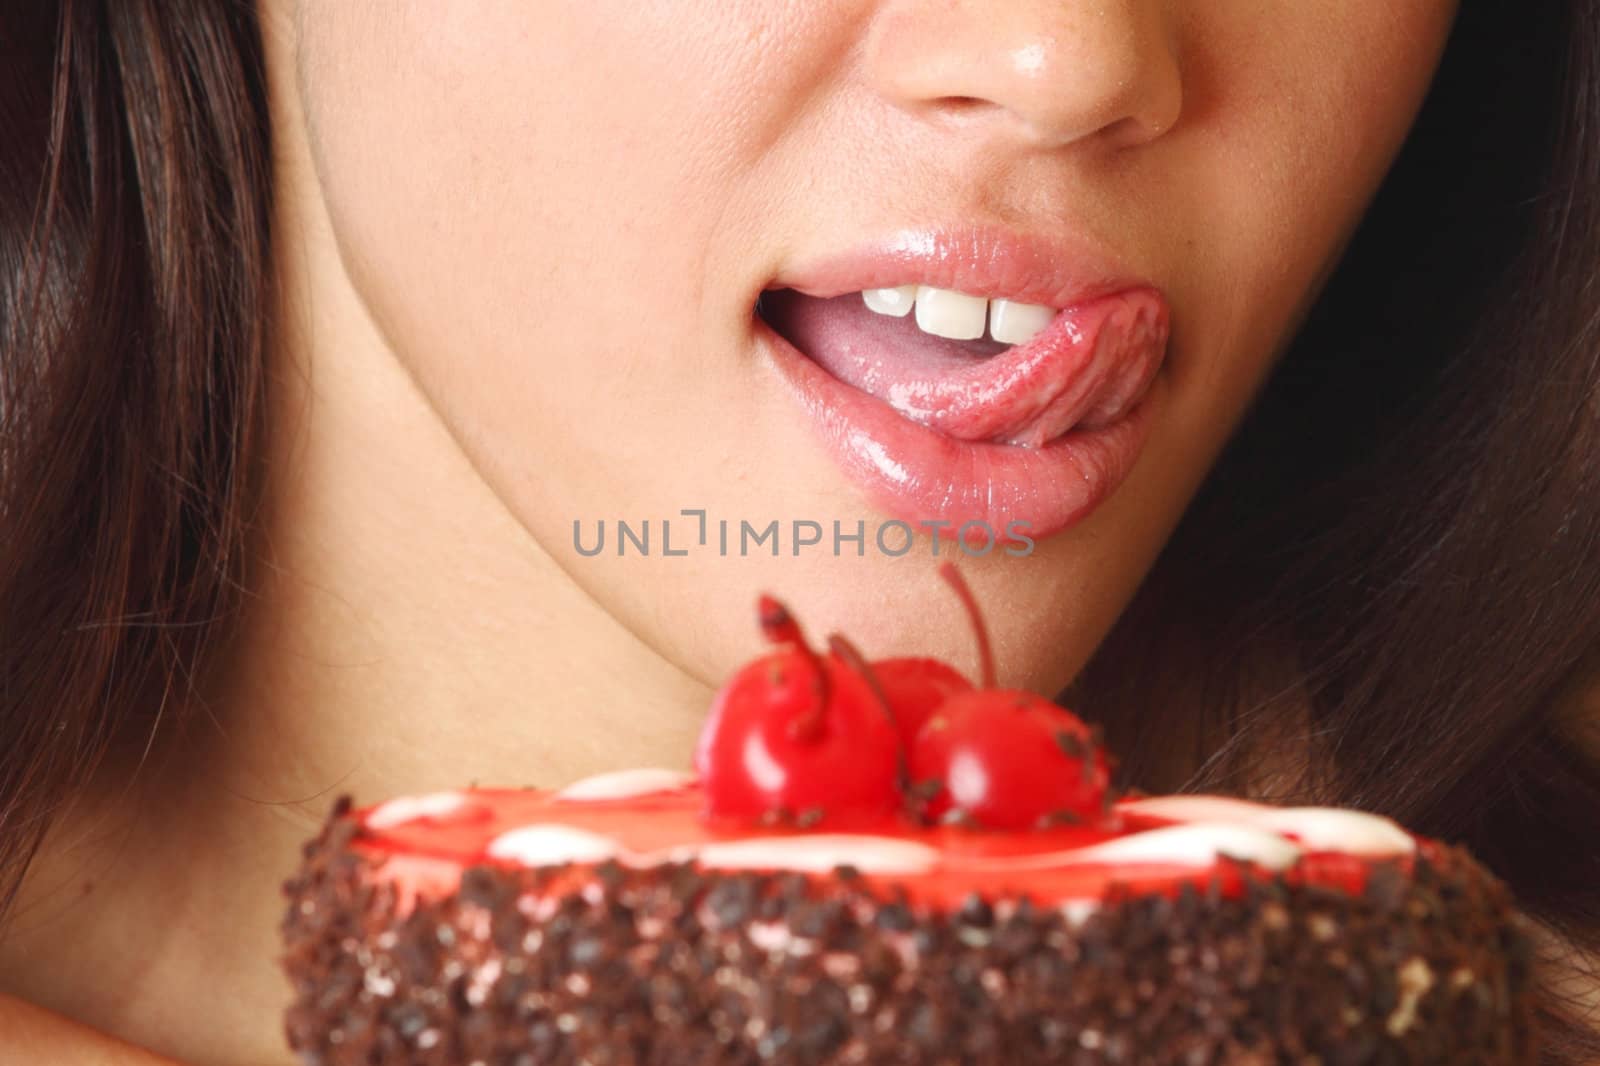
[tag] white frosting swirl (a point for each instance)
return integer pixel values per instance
(403, 809)
(1194, 844)
(625, 784)
(1315, 828)
(550, 844)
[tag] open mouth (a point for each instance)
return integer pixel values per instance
(971, 379)
(980, 369)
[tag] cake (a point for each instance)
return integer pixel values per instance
(884, 863)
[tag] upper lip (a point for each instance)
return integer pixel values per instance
(983, 260)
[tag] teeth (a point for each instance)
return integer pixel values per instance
(958, 316)
(896, 301)
(1014, 323)
(953, 315)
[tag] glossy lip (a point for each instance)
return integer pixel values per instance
(986, 261)
(917, 473)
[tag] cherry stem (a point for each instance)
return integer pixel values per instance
(852, 658)
(777, 624)
(952, 576)
(779, 627)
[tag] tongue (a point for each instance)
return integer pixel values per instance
(1087, 368)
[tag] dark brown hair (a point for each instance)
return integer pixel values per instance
(1393, 566)
(134, 291)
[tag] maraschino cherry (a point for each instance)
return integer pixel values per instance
(801, 738)
(1005, 758)
(915, 687)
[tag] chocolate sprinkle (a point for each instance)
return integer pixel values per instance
(1070, 745)
(672, 965)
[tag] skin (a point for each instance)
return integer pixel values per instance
(519, 246)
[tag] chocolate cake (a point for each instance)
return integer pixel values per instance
(994, 904)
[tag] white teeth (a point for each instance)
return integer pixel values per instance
(958, 316)
(896, 301)
(952, 315)
(1015, 323)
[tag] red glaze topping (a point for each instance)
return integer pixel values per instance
(1143, 846)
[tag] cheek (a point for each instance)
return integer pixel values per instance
(547, 194)
(1292, 119)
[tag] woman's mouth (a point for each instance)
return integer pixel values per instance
(956, 394)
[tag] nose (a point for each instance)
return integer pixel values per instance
(1050, 72)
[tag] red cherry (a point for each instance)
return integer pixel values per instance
(1008, 759)
(915, 687)
(1005, 758)
(799, 736)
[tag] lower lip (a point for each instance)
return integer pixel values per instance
(974, 489)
